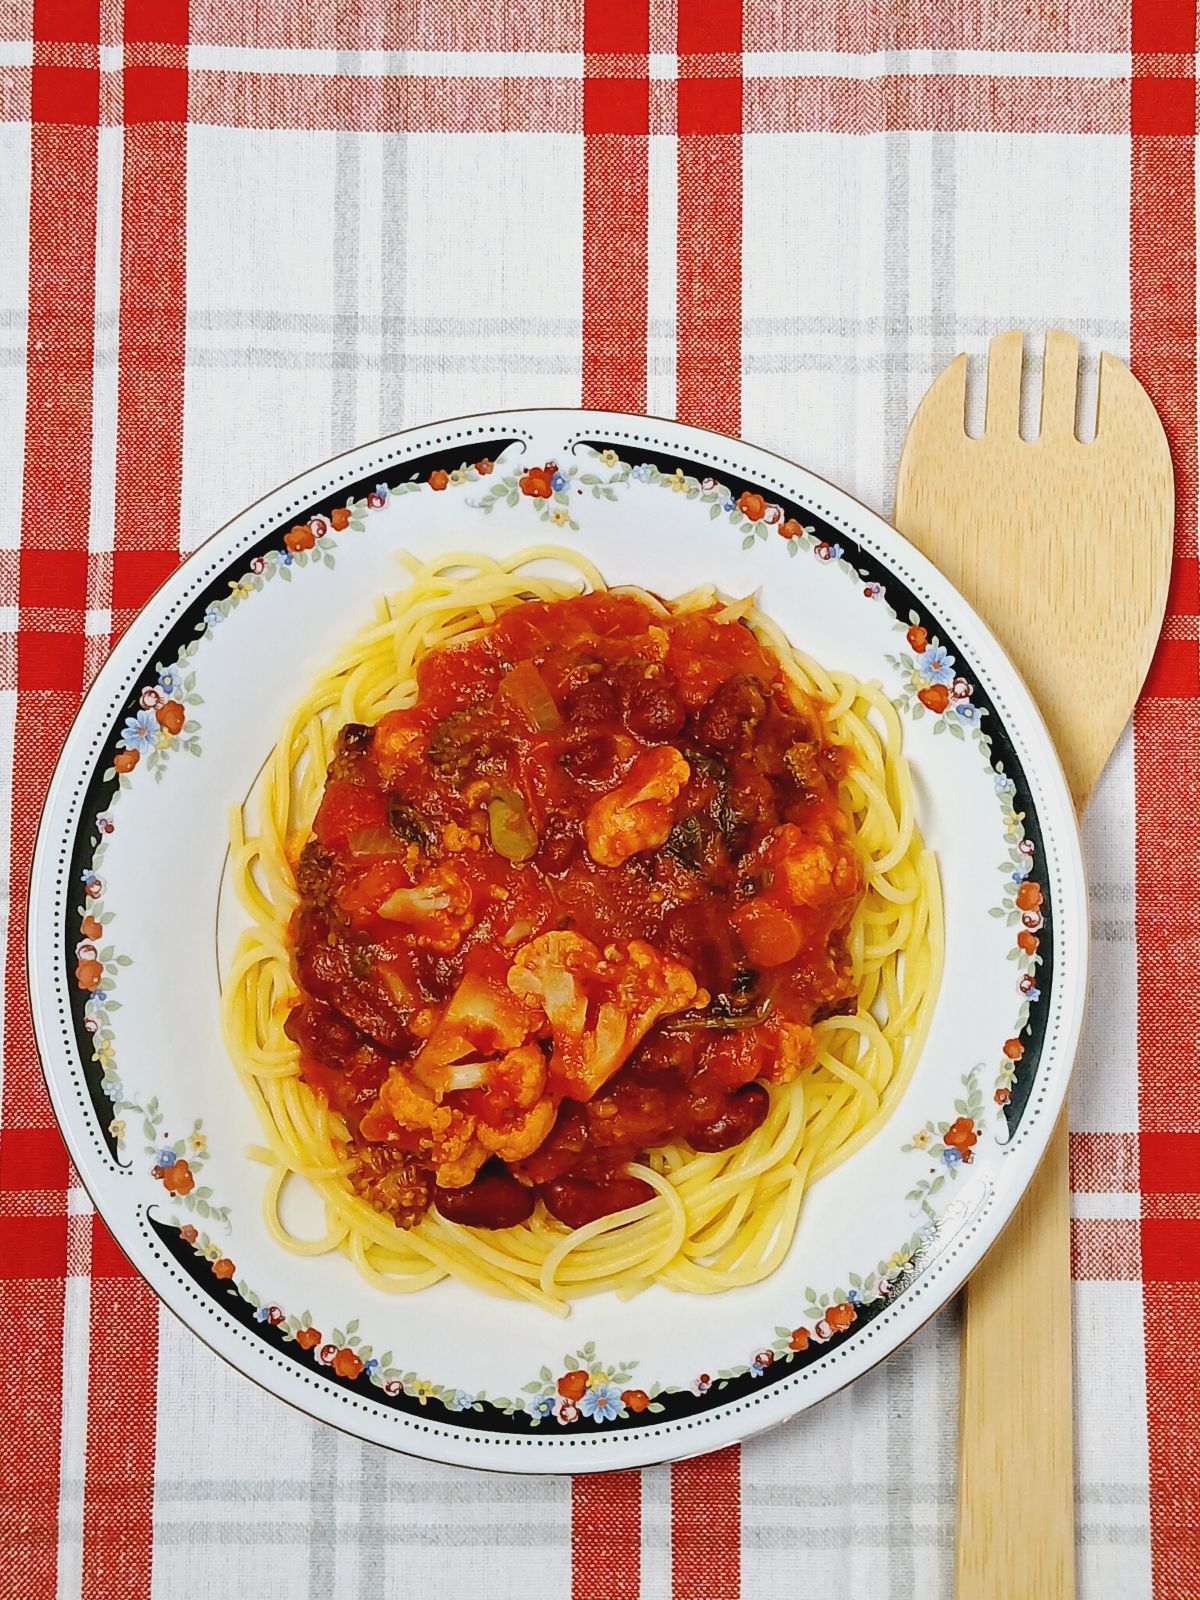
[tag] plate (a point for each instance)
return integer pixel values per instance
(128, 930)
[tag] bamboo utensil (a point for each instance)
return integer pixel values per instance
(1065, 550)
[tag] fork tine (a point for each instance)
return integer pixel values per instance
(1004, 384)
(1060, 376)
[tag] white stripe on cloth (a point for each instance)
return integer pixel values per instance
(76, 1378)
(661, 64)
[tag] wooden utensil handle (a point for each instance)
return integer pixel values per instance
(1016, 1508)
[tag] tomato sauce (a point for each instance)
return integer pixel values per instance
(585, 897)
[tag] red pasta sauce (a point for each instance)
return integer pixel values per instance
(586, 897)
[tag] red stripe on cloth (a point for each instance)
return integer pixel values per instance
(1167, 780)
(708, 360)
(1171, 1254)
(69, 96)
(917, 103)
(937, 102)
(1172, 1205)
(54, 518)
(1183, 596)
(1170, 1162)
(33, 1247)
(153, 293)
(1175, 671)
(706, 1527)
(606, 1536)
(32, 1159)
(706, 1493)
(606, 1510)
(1162, 104)
(119, 1486)
(118, 1492)
(1163, 27)
(482, 25)
(261, 100)
(965, 25)
(107, 1257)
(16, 20)
(16, 94)
(1104, 1163)
(1104, 1249)
(1171, 1313)
(616, 122)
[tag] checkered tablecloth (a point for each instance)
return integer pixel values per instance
(236, 238)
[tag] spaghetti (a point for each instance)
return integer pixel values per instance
(706, 1219)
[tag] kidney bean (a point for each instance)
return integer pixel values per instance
(576, 1202)
(560, 840)
(494, 1200)
(733, 710)
(591, 703)
(654, 709)
(592, 759)
(736, 1120)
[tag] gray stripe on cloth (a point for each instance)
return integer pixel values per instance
(374, 1530)
(323, 1496)
(943, 247)
(326, 1535)
(899, 1452)
(347, 223)
(395, 330)
(935, 324)
(899, 1539)
(450, 1487)
(344, 356)
(894, 360)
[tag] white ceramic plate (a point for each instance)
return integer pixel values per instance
(125, 902)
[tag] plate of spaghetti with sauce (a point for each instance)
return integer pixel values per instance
(571, 876)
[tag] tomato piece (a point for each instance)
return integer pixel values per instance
(769, 935)
(735, 1058)
(345, 809)
(364, 893)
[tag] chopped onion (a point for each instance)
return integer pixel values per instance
(466, 1075)
(400, 991)
(529, 692)
(512, 834)
(374, 842)
(736, 609)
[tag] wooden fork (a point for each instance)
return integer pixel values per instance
(1065, 550)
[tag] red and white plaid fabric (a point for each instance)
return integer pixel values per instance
(238, 237)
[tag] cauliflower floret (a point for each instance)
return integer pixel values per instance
(482, 1019)
(549, 971)
(795, 1047)
(436, 911)
(638, 814)
(599, 1007)
(521, 1135)
(518, 1078)
(446, 1134)
(811, 871)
